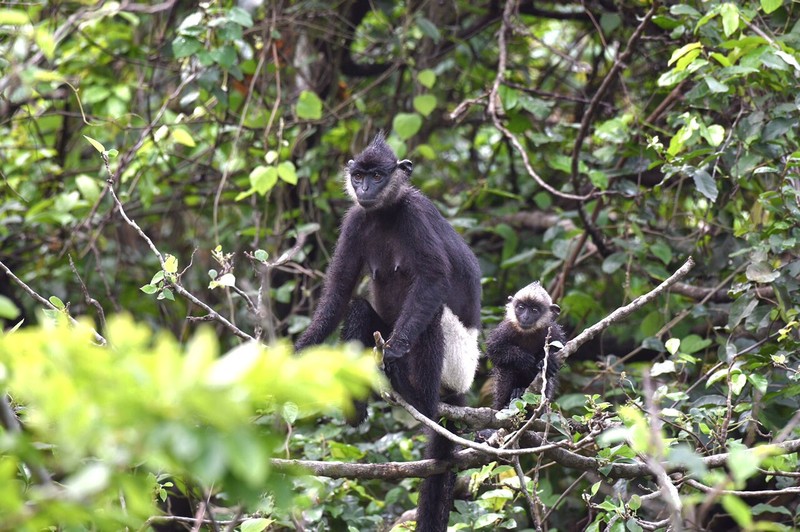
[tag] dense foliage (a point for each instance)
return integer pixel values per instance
(181, 164)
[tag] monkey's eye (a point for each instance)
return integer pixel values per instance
(357, 177)
(376, 176)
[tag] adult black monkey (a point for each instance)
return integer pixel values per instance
(424, 296)
(517, 346)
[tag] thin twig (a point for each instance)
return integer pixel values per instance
(97, 337)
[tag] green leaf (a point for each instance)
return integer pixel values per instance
(46, 42)
(227, 279)
(240, 17)
(166, 294)
(705, 184)
(662, 251)
(425, 104)
(56, 302)
(256, 525)
(287, 172)
(683, 50)
(261, 255)
(672, 345)
(149, 289)
(714, 85)
(761, 272)
(770, 5)
(739, 510)
(88, 187)
(8, 310)
(613, 262)
(694, 343)
(13, 17)
(406, 125)
(427, 78)
(183, 46)
(99, 147)
(170, 264)
(263, 178)
(730, 18)
(429, 29)
(181, 136)
(309, 106)
(714, 134)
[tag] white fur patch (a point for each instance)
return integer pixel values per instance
(461, 353)
(348, 186)
(532, 292)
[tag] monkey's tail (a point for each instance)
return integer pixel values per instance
(436, 492)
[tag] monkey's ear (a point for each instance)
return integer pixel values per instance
(349, 164)
(510, 298)
(406, 166)
(555, 309)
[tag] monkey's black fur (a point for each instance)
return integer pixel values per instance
(516, 346)
(421, 273)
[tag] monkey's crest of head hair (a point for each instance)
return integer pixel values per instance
(534, 292)
(377, 156)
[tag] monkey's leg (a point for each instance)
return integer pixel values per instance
(360, 325)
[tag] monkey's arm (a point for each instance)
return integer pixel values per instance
(340, 281)
(502, 352)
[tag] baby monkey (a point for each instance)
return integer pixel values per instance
(517, 346)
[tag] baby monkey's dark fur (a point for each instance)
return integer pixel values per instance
(517, 346)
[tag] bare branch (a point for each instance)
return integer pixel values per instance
(623, 312)
(97, 337)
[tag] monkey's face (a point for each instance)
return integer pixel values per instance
(533, 314)
(374, 183)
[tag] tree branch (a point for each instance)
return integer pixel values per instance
(623, 312)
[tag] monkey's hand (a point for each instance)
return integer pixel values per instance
(395, 348)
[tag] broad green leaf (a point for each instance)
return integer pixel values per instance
(659, 368)
(614, 261)
(181, 136)
(13, 17)
(705, 184)
(46, 42)
(149, 289)
(166, 294)
(425, 103)
(672, 345)
(770, 5)
(714, 134)
(256, 525)
(227, 279)
(429, 29)
(170, 263)
(263, 178)
(261, 255)
(683, 50)
(287, 172)
(714, 85)
(427, 78)
(739, 510)
(56, 302)
(88, 187)
(730, 18)
(662, 251)
(8, 310)
(309, 106)
(406, 125)
(184, 46)
(761, 272)
(240, 17)
(96, 145)
(694, 343)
